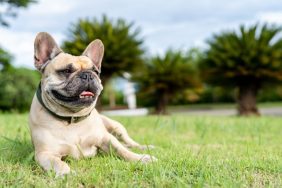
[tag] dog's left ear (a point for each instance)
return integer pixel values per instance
(95, 51)
(45, 48)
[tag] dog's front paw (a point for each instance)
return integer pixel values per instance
(147, 159)
(62, 169)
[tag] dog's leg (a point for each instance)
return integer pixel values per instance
(111, 142)
(49, 161)
(118, 129)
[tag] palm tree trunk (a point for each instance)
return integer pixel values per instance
(247, 100)
(160, 107)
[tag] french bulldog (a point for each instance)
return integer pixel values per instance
(63, 120)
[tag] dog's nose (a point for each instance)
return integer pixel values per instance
(86, 76)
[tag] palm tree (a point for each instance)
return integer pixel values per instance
(162, 78)
(123, 47)
(246, 60)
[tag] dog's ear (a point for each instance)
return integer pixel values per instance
(95, 51)
(45, 48)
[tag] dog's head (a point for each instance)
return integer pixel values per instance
(68, 81)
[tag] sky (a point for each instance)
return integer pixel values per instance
(177, 24)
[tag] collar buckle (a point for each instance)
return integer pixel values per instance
(73, 119)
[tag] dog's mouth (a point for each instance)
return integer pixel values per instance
(85, 96)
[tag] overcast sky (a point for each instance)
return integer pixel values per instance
(178, 24)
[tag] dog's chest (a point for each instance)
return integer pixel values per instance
(81, 140)
(83, 144)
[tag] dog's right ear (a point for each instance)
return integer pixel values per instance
(45, 48)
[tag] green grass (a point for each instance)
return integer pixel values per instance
(191, 152)
(218, 106)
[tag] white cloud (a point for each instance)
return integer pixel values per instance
(49, 7)
(20, 44)
(271, 17)
(178, 24)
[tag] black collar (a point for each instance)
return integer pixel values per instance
(69, 119)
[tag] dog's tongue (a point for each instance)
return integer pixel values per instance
(87, 93)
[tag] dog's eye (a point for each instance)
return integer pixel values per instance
(65, 71)
(96, 71)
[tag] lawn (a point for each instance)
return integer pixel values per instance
(218, 106)
(191, 152)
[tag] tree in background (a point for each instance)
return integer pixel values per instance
(8, 9)
(5, 61)
(162, 78)
(246, 60)
(18, 86)
(123, 51)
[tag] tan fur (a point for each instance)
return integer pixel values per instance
(51, 79)
(54, 138)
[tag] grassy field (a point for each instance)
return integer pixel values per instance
(218, 106)
(191, 152)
